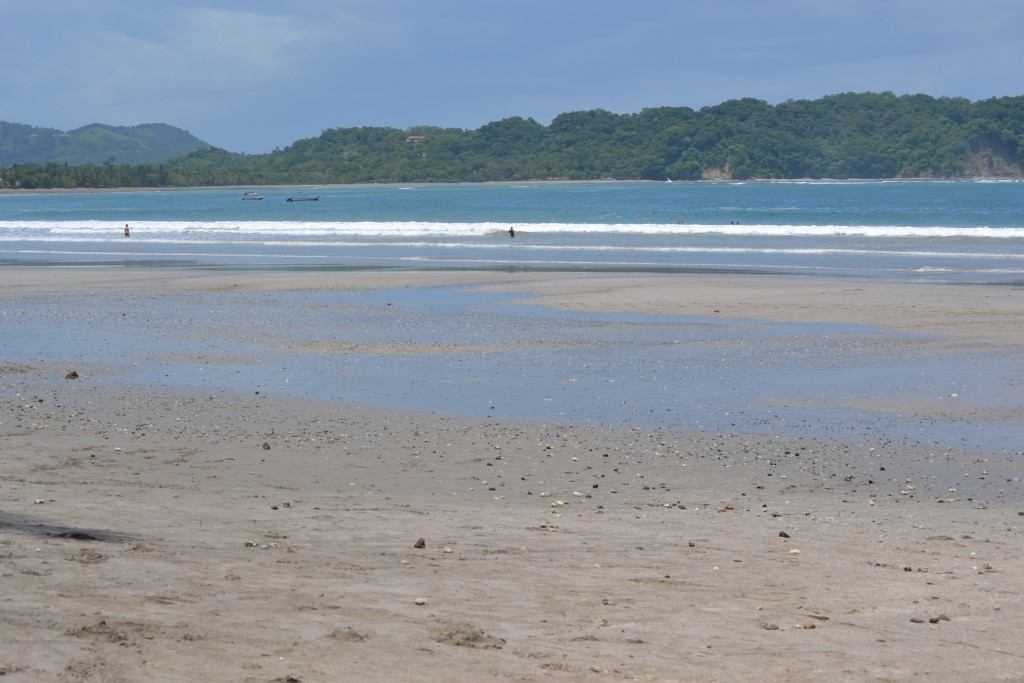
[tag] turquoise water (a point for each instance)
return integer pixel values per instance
(968, 231)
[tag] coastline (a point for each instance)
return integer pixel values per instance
(709, 181)
(162, 534)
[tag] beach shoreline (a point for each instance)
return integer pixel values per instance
(151, 533)
(546, 181)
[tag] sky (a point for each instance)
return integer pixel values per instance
(256, 75)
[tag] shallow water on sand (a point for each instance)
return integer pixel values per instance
(457, 350)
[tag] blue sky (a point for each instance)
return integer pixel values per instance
(255, 75)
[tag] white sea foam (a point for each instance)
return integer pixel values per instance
(193, 230)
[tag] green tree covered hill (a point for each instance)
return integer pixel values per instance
(852, 135)
(149, 143)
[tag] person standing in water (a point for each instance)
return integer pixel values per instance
(511, 232)
(126, 231)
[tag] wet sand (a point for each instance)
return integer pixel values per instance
(159, 535)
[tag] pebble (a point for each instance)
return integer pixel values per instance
(420, 543)
(419, 601)
(783, 534)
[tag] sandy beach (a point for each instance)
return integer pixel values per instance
(156, 534)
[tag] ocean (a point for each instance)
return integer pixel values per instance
(936, 231)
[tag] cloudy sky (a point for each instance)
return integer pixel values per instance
(254, 75)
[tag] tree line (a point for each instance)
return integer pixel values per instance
(851, 135)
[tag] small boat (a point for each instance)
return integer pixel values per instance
(304, 198)
(251, 195)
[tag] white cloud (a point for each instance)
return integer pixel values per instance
(200, 50)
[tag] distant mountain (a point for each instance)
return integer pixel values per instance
(148, 143)
(848, 135)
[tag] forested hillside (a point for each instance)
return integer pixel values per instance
(853, 135)
(149, 143)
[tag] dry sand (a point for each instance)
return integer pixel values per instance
(148, 536)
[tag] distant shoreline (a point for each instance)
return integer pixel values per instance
(181, 188)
